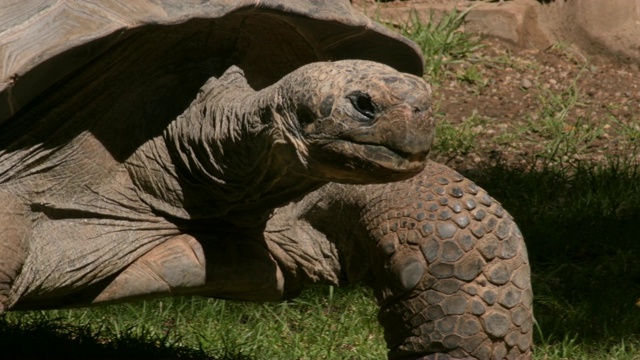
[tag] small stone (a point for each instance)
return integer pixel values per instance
(526, 84)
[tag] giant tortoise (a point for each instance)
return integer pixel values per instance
(153, 148)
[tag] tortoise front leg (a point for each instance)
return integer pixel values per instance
(448, 264)
(239, 269)
(452, 273)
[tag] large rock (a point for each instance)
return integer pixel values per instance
(610, 27)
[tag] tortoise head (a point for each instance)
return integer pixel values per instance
(359, 121)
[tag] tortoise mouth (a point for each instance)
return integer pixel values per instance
(392, 159)
(352, 162)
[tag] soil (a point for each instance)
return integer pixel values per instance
(511, 98)
(520, 104)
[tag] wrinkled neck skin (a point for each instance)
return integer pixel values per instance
(226, 156)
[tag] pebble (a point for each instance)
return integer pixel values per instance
(525, 83)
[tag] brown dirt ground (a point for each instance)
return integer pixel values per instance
(511, 99)
(508, 105)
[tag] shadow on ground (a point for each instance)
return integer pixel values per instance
(582, 229)
(48, 339)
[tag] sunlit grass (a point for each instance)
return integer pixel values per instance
(323, 323)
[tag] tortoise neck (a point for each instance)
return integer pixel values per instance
(225, 156)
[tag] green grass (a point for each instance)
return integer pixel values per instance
(442, 42)
(460, 139)
(580, 220)
(324, 323)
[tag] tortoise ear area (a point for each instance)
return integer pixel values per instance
(305, 115)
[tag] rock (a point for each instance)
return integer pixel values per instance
(609, 28)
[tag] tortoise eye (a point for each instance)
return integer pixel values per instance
(363, 104)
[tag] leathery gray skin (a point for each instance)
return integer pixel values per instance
(447, 263)
(89, 215)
